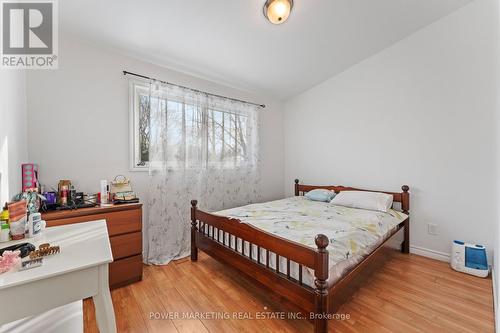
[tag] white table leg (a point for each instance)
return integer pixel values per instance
(104, 311)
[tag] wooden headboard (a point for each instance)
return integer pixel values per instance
(402, 197)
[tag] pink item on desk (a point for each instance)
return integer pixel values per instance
(9, 260)
(29, 176)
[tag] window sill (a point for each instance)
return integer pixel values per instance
(138, 169)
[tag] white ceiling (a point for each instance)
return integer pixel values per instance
(230, 41)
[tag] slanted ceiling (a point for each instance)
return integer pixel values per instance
(231, 42)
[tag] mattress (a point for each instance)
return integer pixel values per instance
(353, 233)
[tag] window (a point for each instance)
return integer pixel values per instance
(187, 131)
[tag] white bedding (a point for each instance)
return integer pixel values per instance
(353, 233)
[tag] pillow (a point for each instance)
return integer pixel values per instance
(364, 200)
(320, 195)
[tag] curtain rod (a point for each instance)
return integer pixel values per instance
(195, 90)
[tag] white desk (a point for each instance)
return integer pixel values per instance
(79, 271)
(64, 319)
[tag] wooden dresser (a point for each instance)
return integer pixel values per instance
(124, 224)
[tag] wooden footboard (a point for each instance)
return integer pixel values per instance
(228, 239)
(253, 251)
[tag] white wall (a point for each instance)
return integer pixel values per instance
(419, 113)
(13, 127)
(78, 118)
(496, 229)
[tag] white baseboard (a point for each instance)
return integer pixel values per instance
(421, 251)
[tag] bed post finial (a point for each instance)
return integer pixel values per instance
(405, 207)
(297, 187)
(194, 229)
(321, 291)
(405, 199)
(321, 242)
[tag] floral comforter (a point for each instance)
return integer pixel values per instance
(353, 233)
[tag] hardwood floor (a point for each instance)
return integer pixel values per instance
(409, 294)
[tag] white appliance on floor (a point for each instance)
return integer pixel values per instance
(469, 258)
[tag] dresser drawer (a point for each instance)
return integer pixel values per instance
(125, 271)
(124, 224)
(120, 222)
(126, 245)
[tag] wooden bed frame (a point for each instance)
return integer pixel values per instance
(208, 232)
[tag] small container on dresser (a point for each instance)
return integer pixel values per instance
(4, 232)
(124, 224)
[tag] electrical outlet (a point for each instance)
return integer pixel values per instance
(432, 229)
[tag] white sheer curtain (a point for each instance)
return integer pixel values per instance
(201, 147)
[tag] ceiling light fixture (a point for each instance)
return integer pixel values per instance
(277, 11)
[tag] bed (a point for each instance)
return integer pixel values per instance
(284, 245)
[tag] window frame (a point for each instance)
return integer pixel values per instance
(133, 130)
(135, 86)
